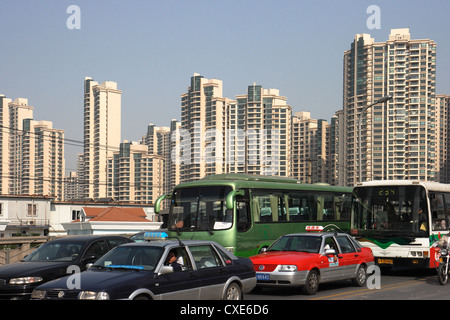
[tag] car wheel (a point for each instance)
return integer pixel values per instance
(312, 283)
(141, 297)
(361, 276)
(233, 292)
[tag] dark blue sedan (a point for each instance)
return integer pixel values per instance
(52, 260)
(167, 269)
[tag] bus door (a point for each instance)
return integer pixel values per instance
(243, 218)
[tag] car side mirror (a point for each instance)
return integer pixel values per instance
(165, 270)
(330, 252)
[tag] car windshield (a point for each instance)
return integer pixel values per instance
(56, 251)
(297, 243)
(131, 257)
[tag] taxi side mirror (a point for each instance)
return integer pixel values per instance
(330, 252)
(165, 270)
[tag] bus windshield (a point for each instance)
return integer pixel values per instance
(390, 211)
(200, 209)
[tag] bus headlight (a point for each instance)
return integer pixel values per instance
(288, 268)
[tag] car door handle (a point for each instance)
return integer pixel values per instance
(356, 255)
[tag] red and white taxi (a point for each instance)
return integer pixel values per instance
(307, 259)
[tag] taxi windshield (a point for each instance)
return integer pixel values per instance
(300, 243)
(131, 257)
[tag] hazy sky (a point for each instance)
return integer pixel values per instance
(152, 48)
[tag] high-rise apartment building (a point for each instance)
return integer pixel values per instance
(42, 159)
(32, 152)
(174, 156)
(134, 174)
(102, 134)
(157, 140)
(398, 137)
(336, 152)
(18, 111)
(259, 133)
(443, 142)
(310, 145)
(4, 144)
(250, 134)
(202, 126)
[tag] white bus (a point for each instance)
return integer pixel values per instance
(400, 220)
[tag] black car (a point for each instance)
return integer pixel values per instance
(142, 271)
(52, 260)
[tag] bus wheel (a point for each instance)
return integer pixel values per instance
(312, 283)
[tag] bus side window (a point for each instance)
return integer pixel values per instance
(437, 210)
(243, 216)
(265, 208)
(440, 211)
(342, 205)
(325, 207)
(328, 207)
(293, 204)
(269, 207)
(301, 206)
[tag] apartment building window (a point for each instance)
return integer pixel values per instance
(76, 214)
(1, 209)
(32, 210)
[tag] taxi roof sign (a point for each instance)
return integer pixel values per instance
(155, 235)
(314, 228)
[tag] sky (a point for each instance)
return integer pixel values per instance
(152, 48)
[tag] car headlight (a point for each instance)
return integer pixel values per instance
(25, 280)
(93, 295)
(38, 294)
(288, 267)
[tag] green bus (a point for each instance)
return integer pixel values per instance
(246, 213)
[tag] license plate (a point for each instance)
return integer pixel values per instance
(262, 276)
(385, 261)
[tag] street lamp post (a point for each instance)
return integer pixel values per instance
(381, 100)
